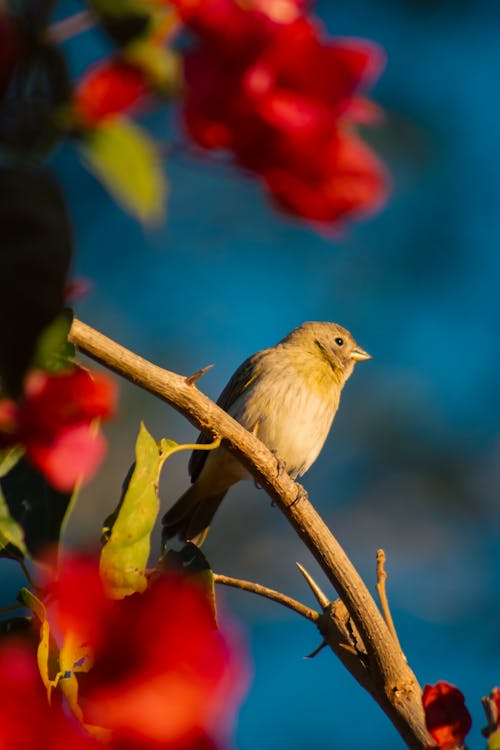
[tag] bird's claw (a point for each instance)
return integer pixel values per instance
(301, 495)
(280, 467)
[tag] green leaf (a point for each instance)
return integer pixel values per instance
(119, 8)
(11, 534)
(35, 505)
(125, 554)
(8, 459)
(162, 65)
(124, 20)
(53, 350)
(127, 162)
(47, 652)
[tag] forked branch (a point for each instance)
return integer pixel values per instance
(380, 665)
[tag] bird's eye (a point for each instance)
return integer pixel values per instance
(339, 341)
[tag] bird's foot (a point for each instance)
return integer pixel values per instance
(280, 465)
(301, 495)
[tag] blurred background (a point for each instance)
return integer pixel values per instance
(412, 464)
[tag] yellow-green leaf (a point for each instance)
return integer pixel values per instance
(126, 160)
(119, 7)
(124, 556)
(11, 534)
(47, 651)
(162, 65)
(494, 741)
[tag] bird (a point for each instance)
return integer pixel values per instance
(287, 395)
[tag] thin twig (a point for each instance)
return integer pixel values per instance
(275, 596)
(316, 651)
(78, 23)
(382, 595)
(11, 608)
(26, 572)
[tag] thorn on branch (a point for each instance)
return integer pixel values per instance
(382, 595)
(316, 650)
(322, 598)
(191, 379)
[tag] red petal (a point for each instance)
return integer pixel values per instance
(73, 455)
(364, 59)
(108, 89)
(446, 717)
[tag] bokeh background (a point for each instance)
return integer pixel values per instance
(412, 462)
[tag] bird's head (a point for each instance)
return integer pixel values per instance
(330, 342)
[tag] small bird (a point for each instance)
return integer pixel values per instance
(287, 395)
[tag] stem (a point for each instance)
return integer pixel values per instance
(389, 679)
(382, 595)
(62, 30)
(275, 596)
(11, 608)
(27, 574)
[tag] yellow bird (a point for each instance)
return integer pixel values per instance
(288, 396)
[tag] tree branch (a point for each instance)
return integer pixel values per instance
(385, 673)
(275, 596)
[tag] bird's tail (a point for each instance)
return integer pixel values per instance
(190, 517)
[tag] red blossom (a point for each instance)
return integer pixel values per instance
(495, 698)
(265, 83)
(108, 89)
(162, 675)
(446, 717)
(348, 182)
(53, 421)
(28, 721)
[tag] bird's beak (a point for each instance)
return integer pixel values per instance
(358, 354)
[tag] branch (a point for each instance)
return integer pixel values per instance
(275, 596)
(382, 595)
(386, 675)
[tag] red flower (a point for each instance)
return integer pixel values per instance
(446, 717)
(495, 699)
(28, 721)
(162, 675)
(347, 182)
(53, 422)
(107, 89)
(264, 83)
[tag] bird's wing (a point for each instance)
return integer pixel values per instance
(244, 376)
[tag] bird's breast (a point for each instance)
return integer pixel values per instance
(291, 414)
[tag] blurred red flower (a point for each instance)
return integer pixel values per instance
(108, 89)
(53, 421)
(162, 674)
(495, 698)
(347, 181)
(446, 717)
(28, 721)
(264, 82)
